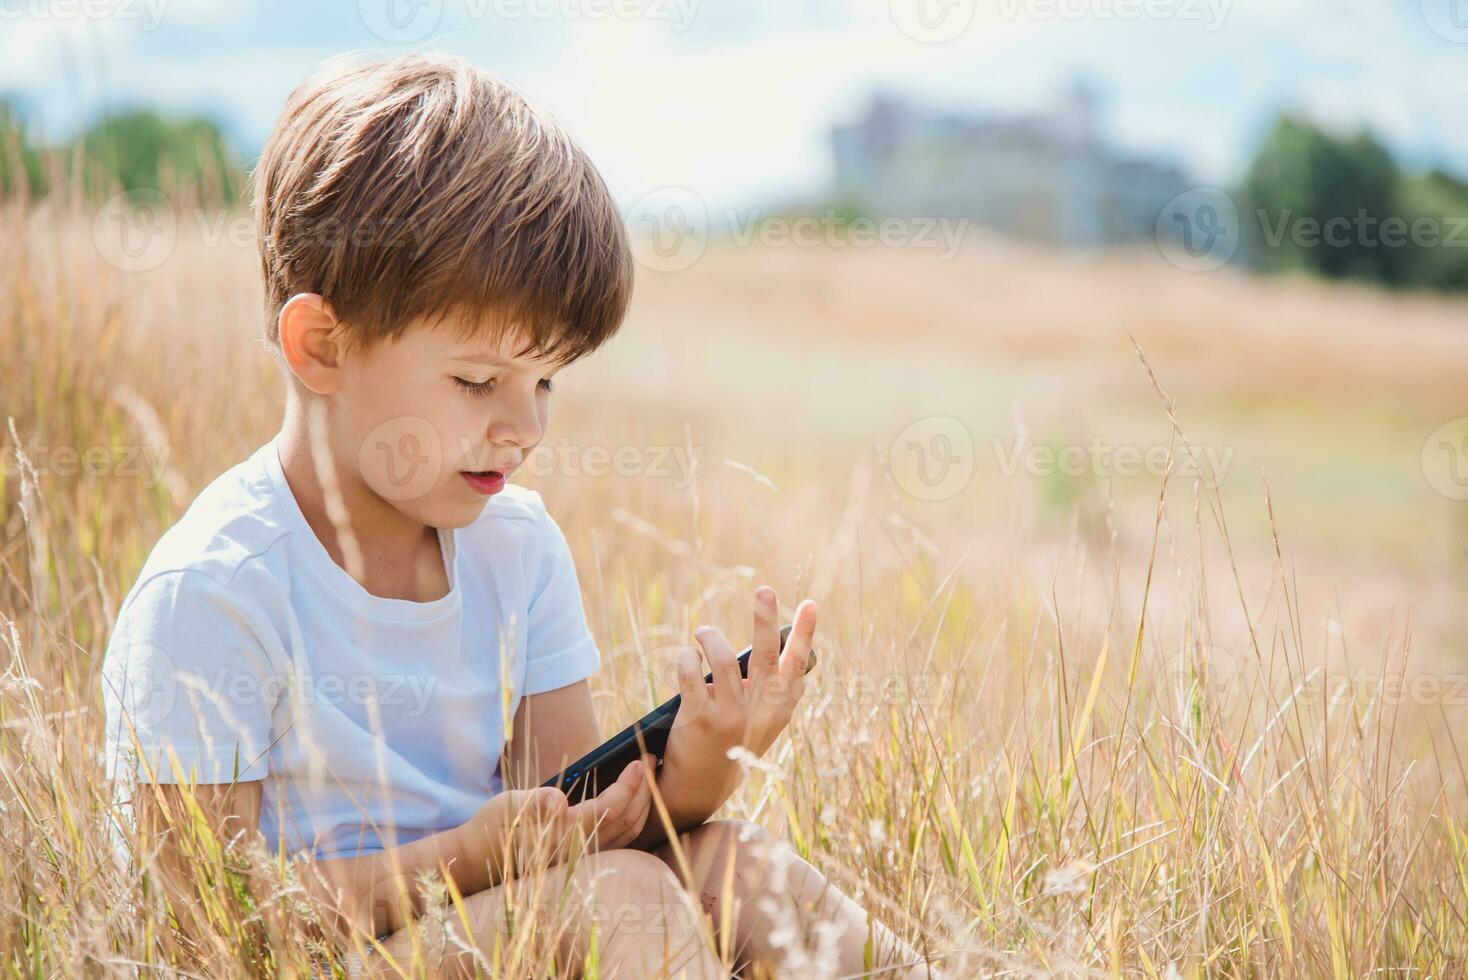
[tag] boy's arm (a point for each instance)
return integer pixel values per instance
(550, 731)
(363, 890)
(161, 812)
(377, 892)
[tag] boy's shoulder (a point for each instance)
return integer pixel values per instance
(235, 518)
(514, 521)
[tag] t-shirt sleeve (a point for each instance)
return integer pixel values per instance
(186, 672)
(561, 649)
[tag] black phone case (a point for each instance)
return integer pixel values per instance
(600, 767)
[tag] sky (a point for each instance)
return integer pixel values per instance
(736, 98)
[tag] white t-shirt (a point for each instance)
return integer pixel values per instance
(249, 653)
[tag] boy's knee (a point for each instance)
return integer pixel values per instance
(628, 872)
(633, 894)
(762, 862)
(749, 845)
(628, 865)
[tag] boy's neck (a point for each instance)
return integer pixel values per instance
(400, 558)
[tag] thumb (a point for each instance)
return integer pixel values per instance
(545, 801)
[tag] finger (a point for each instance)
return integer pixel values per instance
(644, 785)
(547, 802)
(539, 805)
(633, 778)
(641, 805)
(586, 813)
(607, 807)
(618, 825)
(797, 648)
(562, 834)
(691, 686)
(723, 661)
(765, 658)
(636, 821)
(649, 773)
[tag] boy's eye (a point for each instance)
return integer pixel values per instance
(475, 387)
(485, 387)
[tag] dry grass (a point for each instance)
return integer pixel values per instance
(1061, 725)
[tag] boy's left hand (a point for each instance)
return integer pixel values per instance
(697, 774)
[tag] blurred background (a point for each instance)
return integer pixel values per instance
(1038, 340)
(925, 236)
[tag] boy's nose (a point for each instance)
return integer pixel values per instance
(520, 428)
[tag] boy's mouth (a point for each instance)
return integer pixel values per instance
(484, 481)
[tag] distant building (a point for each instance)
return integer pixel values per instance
(1045, 178)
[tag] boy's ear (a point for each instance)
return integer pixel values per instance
(308, 332)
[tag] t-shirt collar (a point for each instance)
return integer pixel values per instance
(336, 578)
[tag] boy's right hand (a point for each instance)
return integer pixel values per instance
(519, 828)
(615, 817)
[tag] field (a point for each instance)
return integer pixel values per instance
(1092, 710)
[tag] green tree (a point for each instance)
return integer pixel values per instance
(141, 149)
(1436, 207)
(1315, 202)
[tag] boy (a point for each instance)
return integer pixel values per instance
(365, 646)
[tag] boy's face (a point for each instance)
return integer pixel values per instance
(430, 419)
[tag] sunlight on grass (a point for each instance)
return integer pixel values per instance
(1096, 731)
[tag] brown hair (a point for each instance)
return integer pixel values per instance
(424, 186)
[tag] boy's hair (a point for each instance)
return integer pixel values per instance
(424, 186)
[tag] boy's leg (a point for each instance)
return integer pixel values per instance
(645, 924)
(776, 901)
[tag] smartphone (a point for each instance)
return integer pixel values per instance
(600, 767)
